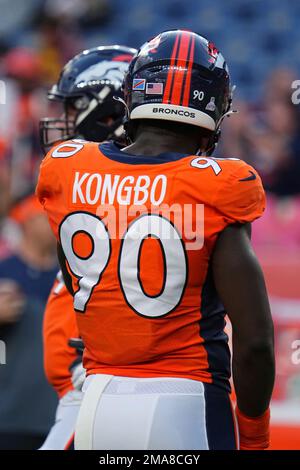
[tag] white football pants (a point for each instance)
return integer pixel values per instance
(122, 413)
(61, 435)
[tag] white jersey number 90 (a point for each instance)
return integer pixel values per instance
(89, 270)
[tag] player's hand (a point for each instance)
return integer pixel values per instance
(11, 302)
(78, 376)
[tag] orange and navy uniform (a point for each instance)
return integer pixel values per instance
(145, 299)
(59, 326)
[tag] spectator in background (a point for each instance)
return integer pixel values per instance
(267, 136)
(86, 13)
(59, 41)
(4, 199)
(9, 230)
(276, 143)
(25, 104)
(60, 26)
(27, 402)
(237, 133)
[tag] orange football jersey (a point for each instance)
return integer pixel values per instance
(138, 234)
(59, 326)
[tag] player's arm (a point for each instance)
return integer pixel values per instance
(240, 283)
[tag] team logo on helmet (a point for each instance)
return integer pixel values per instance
(175, 112)
(212, 51)
(88, 85)
(105, 70)
(151, 46)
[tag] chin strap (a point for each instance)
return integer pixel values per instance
(217, 134)
(227, 114)
(118, 98)
(125, 119)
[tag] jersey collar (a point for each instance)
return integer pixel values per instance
(113, 151)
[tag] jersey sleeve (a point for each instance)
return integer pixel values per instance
(52, 181)
(49, 188)
(241, 197)
(58, 327)
(55, 170)
(48, 180)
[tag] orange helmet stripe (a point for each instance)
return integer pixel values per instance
(171, 72)
(181, 64)
(186, 95)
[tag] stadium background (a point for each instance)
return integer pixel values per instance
(261, 42)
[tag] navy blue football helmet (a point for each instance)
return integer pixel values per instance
(86, 87)
(179, 76)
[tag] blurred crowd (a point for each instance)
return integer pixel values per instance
(265, 133)
(28, 261)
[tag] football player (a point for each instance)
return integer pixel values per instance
(154, 245)
(86, 88)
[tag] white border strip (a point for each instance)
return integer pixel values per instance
(172, 112)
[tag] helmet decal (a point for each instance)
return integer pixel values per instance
(88, 85)
(187, 88)
(105, 70)
(151, 46)
(171, 71)
(180, 67)
(179, 76)
(212, 51)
